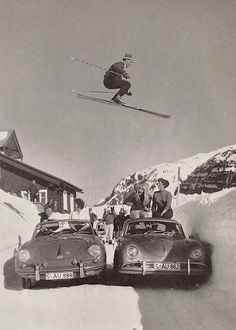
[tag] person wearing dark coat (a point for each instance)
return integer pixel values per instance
(120, 220)
(48, 208)
(43, 216)
(113, 78)
(161, 201)
(34, 191)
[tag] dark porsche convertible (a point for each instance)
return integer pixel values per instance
(60, 250)
(160, 248)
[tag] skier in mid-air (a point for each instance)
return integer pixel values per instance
(113, 78)
(116, 78)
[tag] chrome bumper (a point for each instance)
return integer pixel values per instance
(143, 268)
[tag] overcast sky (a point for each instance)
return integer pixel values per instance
(184, 64)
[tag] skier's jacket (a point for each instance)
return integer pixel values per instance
(116, 71)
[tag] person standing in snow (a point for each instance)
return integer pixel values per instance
(109, 229)
(161, 201)
(113, 78)
(92, 216)
(34, 191)
(120, 219)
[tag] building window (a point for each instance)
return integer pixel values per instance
(43, 196)
(65, 203)
(71, 202)
(25, 194)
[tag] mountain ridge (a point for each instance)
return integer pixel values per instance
(190, 175)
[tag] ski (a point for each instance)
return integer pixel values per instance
(104, 101)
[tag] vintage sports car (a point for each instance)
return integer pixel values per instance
(60, 250)
(159, 247)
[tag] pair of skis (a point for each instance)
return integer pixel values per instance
(108, 102)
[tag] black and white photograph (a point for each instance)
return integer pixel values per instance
(117, 164)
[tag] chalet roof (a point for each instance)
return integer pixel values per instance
(37, 173)
(9, 144)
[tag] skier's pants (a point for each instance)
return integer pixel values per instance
(123, 85)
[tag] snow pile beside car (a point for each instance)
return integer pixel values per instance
(213, 218)
(18, 217)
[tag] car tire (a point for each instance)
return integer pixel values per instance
(100, 278)
(115, 264)
(190, 283)
(26, 283)
(124, 280)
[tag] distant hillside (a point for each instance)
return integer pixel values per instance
(208, 172)
(215, 174)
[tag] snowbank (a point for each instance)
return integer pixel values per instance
(213, 218)
(18, 217)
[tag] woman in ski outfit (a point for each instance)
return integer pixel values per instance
(161, 201)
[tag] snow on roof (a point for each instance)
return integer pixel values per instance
(9, 144)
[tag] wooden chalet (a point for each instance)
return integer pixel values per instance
(16, 177)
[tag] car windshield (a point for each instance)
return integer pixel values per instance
(51, 228)
(170, 229)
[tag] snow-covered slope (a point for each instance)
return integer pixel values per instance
(169, 171)
(217, 173)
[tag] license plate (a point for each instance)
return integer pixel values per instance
(170, 266)
(59, 276)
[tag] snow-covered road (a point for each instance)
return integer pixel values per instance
(146, 305)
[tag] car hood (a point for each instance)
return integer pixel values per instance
(152, 245)
(61, 248)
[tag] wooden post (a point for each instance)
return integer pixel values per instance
(178, 178)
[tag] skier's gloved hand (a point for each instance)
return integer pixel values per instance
(125, 75)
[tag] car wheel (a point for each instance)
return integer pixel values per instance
(100, 278)
(190, 284)
(97, 279)
(124, 280)
(115, 263)
(26, 283)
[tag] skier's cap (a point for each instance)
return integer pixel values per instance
(128, 56)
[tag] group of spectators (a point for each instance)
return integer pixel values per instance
(142, 205)
(111, 222)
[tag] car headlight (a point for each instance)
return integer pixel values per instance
(132, 252)
(197, 253)
(95, 251)
(23, 255)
